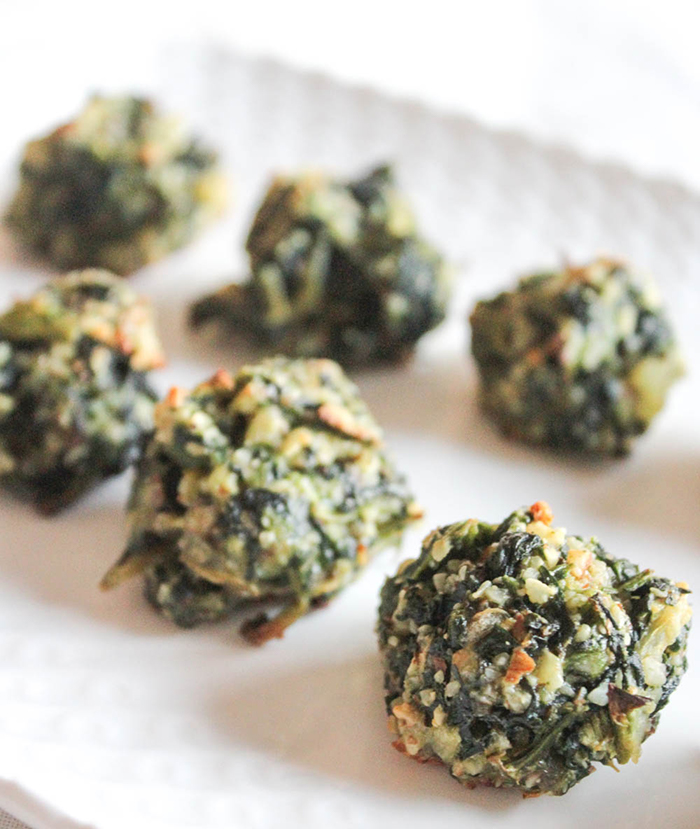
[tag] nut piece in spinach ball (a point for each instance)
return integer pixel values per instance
(519, 655)
(74, 398)
(270, 486)
(579, 359)
(338, 270)
(120, 186)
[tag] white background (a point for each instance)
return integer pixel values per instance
(619, 79)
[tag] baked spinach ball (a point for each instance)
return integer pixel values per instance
(579, 359)
(272, 486)
(118, 187)
(518, 655)
(338, 270)
(74, 394)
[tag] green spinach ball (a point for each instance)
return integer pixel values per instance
(519, 655)
(74, 393)
(579, 359)
(338, 270)
(271, 487)
(118, 187)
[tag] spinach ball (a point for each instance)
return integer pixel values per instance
(519, 655)
(272, 487)
(74, 393)
(579, 359)
(338, 270)
(118, 187)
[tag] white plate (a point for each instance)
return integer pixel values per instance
(113, 718)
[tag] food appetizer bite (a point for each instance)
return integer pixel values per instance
(338, 269)
(578, 359)
(120, 186)
(518, 655)
(74, 394)
(269, 486)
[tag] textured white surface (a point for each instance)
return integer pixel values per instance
(113, 718)
(616, 79)
(9, 822)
